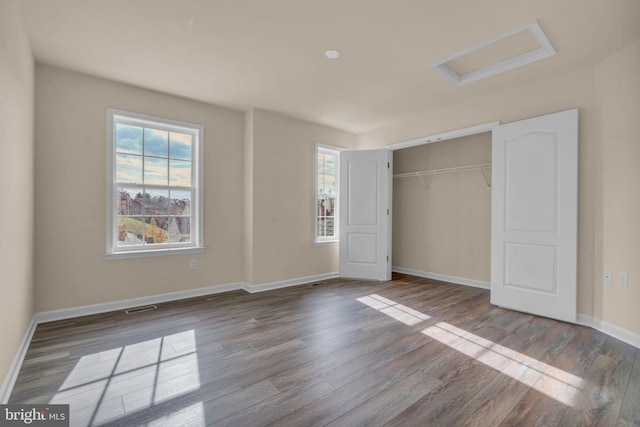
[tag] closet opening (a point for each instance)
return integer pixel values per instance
(442, 208)
(520, 238)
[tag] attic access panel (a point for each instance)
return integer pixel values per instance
(520, 46)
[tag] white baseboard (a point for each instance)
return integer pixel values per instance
(619, 333)
(443, 277)
(86, 310)
(585, 320)
(286, 283)
(14, 369)
(610, 329)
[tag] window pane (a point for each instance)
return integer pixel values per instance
(173, 234)
(321, 229)
(179, 229)
(320, 162)
(128, 168)
(130, 201)
(321, 206)
(180, 203)
(156, 229)
(329, 184)
(330, 204)
(321, 184)
(128, 139)
(156, 143)
(156, 171)
(329, 227)
(329, 164)
(180, 146)
(130, 231)
(180, 173)
(326, 217)
(156, 202)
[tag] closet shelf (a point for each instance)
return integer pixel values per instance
(420, 174)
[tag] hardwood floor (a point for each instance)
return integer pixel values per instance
(407, 352)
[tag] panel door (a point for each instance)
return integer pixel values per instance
(534, 215)
(365, 214)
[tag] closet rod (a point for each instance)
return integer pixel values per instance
(420, 174)
(445, 170)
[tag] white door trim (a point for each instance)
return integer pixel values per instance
(452, 134)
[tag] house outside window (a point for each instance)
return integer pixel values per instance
(327, 184)
(154, 179)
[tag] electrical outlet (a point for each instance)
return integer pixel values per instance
(623, 279)
(607, 277)
(194, 264)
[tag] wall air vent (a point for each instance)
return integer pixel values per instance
(520, 46)
(317, 283)
(141, 309)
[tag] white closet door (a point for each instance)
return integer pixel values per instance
(365, 214)
(534, 215)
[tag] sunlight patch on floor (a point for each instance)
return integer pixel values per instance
(397, 311)
(553, 382)
(108, 384)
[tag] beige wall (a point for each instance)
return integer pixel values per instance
(259, 172)
(70, 162)
(16, 182)
(540, 97)
(283, 172)
(445, 229)
(617, 83)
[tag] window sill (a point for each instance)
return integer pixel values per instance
(327, 243)
(153, 253)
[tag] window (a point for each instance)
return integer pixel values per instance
(327, 168)
(154, 177)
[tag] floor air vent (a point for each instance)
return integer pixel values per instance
(141, 309)
(317, 283)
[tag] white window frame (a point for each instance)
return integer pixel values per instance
(324, 240)
(113, 251)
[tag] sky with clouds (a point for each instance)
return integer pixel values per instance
(152, 156)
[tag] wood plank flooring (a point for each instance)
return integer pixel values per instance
(409, 352)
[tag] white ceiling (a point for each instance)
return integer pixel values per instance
(270, 53)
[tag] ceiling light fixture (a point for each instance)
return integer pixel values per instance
(332, 54)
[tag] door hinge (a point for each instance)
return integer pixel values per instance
(387, 258)
(388, 165)
(387, 211)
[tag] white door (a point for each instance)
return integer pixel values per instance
(534, 215)
(365, 214)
